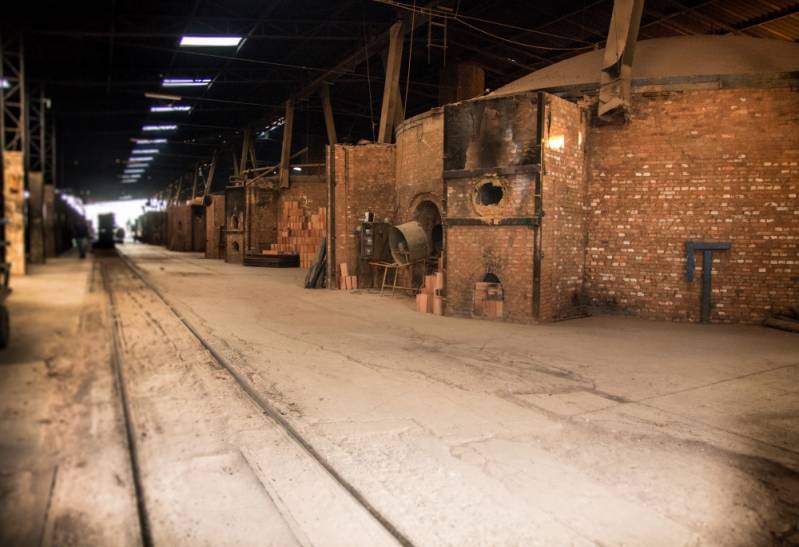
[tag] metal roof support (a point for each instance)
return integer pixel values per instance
(388, 110)
(285, 154)
(615, 77)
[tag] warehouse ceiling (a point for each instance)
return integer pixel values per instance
(96, 61)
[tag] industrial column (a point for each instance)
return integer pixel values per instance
(37, 146)
(13, 143)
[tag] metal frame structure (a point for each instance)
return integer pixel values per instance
(12, 93)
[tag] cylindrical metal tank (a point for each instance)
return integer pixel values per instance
(408, 242)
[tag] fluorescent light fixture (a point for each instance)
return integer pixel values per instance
(149, 141)
(210, 41)
(299, 169)
(133, 171)
(171, 108)
(165, 127)
(140, 159)
(185, 82)
(162, 96)
(144, 151)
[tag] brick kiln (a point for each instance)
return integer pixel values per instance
(503, 257)
(555, 212)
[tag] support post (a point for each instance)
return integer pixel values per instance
(388, 110)
(36, 217)
(37, 163)
(327, 109)
(245, 148)
(49, 221)
(209, 180)
(234, 162)
(285, 154)
(332, 267)
(194, 181)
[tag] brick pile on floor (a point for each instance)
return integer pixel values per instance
(298, 234)
(429, 299)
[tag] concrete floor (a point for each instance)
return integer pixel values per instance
(602, 430)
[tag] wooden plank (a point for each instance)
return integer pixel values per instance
(285, 154)
(388, 109)
(330, 125)
(14, 210)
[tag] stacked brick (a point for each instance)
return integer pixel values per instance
(429, 299)
(347, 282)
(298, 234)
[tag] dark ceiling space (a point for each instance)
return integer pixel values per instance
(97, 59)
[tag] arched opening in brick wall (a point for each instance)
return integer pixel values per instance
(234, 222)
(235, 245)
(489, 297)
(428, 215)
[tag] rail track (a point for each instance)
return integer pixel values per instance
(244, 384)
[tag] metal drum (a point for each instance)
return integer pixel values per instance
(408, 242)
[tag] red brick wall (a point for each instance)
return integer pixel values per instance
(310, 191)
(420, 162)
(261, 218)
(705, 165)
(564, 228)
(364, 182)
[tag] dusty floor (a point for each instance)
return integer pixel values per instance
(603, 430)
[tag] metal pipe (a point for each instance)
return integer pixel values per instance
(539, 204)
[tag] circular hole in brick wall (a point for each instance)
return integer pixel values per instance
(489, 194)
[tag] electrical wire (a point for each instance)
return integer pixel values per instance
(462, 19)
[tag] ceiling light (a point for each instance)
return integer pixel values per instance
(144, 151)
(140, 159)
(166, 127)
(129, 181)
(4, 83)
(185, 82)
(171, 108)
(299, 169)
(133, 171)
(149, 141)
(162, 96)
(210, 41)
